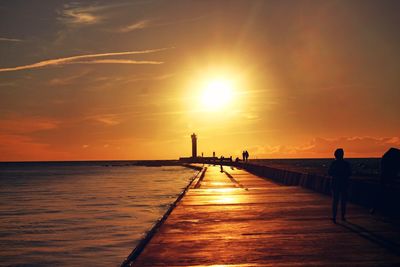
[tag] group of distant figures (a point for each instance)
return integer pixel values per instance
(245, 155)
(340, 170)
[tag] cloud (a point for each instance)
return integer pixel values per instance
(136, 26)
(22, 125)
(15, 147)
(78, 60)
(10, 39)
(147, 23)
(106, 119)
(75, 15)
(7, 84)
(365, 146)
(65, 80)
(118, 61)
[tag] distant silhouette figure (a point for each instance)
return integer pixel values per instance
(390, 167)
(247, 155)
(244, 155)
(220, 163)
(340, 170)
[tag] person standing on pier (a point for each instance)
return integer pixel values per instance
(340, 170)
(221, 162)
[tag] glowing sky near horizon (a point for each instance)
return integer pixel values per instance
(128, 79)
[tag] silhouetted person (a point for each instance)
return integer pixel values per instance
(340, 170)
(247, 155)
(390, 167)
(244, 155)
(220, 163)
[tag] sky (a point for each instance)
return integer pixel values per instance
(91, 80)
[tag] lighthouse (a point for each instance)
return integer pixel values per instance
(194, 145)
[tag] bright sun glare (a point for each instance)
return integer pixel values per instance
(217, 94)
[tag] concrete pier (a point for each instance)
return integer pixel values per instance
(235, 218)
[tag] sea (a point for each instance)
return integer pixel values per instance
(81, 213)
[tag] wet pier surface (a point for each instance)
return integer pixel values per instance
(234, 218)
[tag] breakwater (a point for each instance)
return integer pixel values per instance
(364, 192)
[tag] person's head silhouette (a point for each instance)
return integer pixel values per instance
(339, 153)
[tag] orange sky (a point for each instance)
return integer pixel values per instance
(124, 79)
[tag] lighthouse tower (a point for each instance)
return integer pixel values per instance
(194, 145)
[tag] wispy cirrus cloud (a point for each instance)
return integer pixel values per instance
(106, 119)
(78, 18)
(65, 80)
(75, 14)
(118, 61)
(148, 23)
(10, 40)
(87, 59)
(138, 25)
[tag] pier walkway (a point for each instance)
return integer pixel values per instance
(234, 218)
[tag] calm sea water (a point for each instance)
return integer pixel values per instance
(60, 214)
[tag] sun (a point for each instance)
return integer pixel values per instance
(217, 94)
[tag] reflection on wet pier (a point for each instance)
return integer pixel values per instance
(234, 218)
